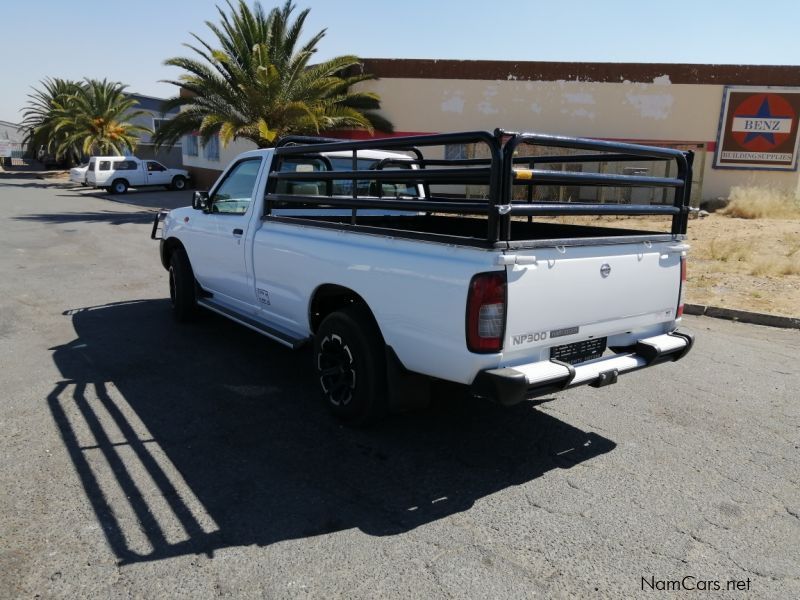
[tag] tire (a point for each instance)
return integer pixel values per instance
(182, 287)
(178, 183)
(120, 186)
(349, 357)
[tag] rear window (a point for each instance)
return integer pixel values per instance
(105, 165)
(342, 187)
(91, 165)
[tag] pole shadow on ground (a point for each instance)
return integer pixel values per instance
(188, 439)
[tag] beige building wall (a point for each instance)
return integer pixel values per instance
(661, 104)
(656, 111)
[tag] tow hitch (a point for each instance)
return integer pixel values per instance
(606, 378)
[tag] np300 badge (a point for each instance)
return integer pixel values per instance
(605, 270)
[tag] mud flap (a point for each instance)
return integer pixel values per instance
(406, 391)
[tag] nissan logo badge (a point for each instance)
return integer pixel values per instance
(605, 270)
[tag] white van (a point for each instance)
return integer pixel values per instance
(117, 173)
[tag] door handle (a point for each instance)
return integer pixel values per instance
(238, 231)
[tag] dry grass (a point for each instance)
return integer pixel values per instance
(751, 202)
(730, 250)
(750, 264)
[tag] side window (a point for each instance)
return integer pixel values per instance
(235, 193)
(105, 165)
(153, 166)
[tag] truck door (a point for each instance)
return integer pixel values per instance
(156, 173)
(231, 205)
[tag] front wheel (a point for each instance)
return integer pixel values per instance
(178, 183)
(182, 287)
(350, 360)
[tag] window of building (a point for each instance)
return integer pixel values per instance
(190, 142)
(157, 123)
(455, 151)
(211, 148)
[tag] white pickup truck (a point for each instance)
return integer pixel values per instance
(404, 267)
(117, 173)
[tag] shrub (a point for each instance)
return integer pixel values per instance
(761, 202)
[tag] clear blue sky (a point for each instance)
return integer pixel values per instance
(128, 41)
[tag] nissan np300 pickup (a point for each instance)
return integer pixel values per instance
(510, 271)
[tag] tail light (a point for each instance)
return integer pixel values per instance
(682, 294)
(486, 312)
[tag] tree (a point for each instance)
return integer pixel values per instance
(258, 84)
(97, 118)
(70, 118)
(37, 118)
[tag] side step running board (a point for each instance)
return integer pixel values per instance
(273, 332)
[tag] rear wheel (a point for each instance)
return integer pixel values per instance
(120, 186)
(182, 286)
(351, 366)
(178, 183)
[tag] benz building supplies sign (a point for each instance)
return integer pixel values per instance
(758, 128)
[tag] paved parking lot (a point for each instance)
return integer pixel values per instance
(142, 459)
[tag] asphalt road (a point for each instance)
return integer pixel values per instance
(142, 459)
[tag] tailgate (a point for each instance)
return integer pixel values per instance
(562, 295)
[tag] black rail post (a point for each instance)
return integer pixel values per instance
(354, 210)
(687, 190)
(530, 190)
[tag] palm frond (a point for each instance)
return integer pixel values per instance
(252, 78)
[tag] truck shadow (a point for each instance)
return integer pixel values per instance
(100, 216)
(188, 439)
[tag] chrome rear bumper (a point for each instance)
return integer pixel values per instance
(511, 385)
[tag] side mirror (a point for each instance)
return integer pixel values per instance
(200, 201)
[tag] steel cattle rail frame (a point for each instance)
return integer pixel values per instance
(499, 172)
(618, 152)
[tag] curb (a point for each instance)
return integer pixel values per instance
(743, 316)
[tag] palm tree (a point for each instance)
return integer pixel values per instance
(37, 118)
(259, 85)
(97, 118)
(70, 118)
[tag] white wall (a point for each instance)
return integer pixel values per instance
(226, 155)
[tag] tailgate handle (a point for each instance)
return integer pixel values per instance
(678, 248)
(514, 259)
